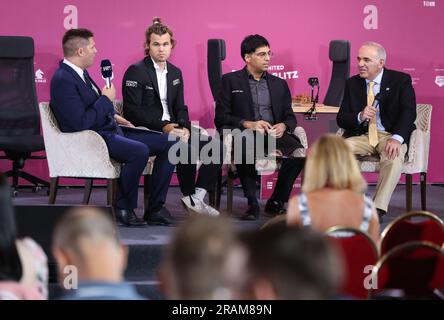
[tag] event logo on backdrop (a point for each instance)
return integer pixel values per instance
(281, 72)
(428, 3)
(439, 80)
(39, 76)
(411, 72)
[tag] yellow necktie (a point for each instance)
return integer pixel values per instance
(372, 130)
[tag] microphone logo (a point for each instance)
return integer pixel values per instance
(107, 71)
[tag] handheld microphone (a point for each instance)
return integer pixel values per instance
(182, 123)
(107, 71)
(375, 102)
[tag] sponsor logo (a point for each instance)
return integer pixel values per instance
(130, 83)
(428, 3)
(39, 76)
(439, 80)
(71, 20)
(371, 19)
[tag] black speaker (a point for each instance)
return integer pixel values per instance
(215, 56)
(38, 222)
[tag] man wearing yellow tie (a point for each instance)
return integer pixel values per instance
(379, 126)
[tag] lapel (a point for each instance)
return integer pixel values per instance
(152, 74)
(362, 92)
(385, 84)
(77, 77)
(246, 88)
(273, 97)
(95, 84)
(169, 87)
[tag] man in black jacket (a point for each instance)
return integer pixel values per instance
(252, 99)
(378, 114)
(153, 97)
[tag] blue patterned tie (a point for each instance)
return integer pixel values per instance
(88, 81)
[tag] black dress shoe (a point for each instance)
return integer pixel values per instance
(128, 218)
(381, 213)
(274, 207)
(161, 217)
(252, 213)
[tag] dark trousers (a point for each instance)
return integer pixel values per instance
(288, 172)
(133, 149)
(208, 172)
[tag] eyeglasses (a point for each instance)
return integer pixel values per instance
(263, 54)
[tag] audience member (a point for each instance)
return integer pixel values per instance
(198, 258)
(23, 264)
(290, 263)
(91, 261)
(333, 191)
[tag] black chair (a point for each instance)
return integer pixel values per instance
(339, 53)
(215, 55)
(19, 115)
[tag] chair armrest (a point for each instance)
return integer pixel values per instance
(301, 134)
(417, 158)
(80, 154)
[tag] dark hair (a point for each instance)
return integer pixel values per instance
(251, 43)
(10, 264)
(157, 28)
(299, 263)
(74, 39)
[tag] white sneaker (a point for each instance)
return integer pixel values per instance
(195, 205)
(211, 211)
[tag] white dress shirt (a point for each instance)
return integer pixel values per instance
(162, 83)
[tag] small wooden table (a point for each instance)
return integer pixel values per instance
(325, 122)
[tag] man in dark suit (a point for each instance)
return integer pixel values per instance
(382, 128)
(153, 97)
(78, 104)
(252, 99)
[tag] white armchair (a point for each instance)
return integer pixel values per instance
(81, 154)
(417, 158)
(263, 166)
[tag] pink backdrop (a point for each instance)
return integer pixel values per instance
(298, 31)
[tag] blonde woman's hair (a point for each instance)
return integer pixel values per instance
(331, 164)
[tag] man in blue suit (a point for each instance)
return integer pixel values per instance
(78, 104)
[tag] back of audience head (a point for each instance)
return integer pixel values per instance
(331, 164)
(288, 263)
(87, 239)
(10, 264)
(196, 259)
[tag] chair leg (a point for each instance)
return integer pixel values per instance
(146, 190)
(423, 181)
(53, 190)
(33, 179)
(408, 192)
(87, 192)
(230, 183)
(212, 198)
(111, 192)
(219, 190)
